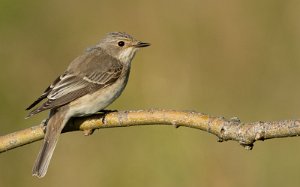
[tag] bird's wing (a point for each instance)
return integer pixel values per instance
(45, 93)
(71, 86)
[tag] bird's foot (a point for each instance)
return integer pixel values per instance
(104, 113)
(107, 111)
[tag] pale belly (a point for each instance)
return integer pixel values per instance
(92, 103)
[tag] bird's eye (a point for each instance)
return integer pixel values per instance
(121, 43)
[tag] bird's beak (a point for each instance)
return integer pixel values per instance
(141, 44)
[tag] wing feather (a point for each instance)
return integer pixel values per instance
(74, 85)
(45, 93)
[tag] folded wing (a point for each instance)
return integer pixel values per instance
(71, 86)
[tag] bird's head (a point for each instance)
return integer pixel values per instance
(121, 46)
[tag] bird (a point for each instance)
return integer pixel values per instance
(91, 82)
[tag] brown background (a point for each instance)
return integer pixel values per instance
(225, 58)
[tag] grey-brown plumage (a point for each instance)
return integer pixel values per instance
(90, 83)
(102, 71)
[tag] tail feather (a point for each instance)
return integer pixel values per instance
(54, 127)
(41, 164)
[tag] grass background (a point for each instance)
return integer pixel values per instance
(225, 58)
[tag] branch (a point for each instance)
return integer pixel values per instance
(233, 129)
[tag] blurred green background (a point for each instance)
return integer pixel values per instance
(225, 58)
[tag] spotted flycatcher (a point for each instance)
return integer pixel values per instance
(91, 82)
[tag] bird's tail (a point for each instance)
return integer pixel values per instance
(54, 127)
